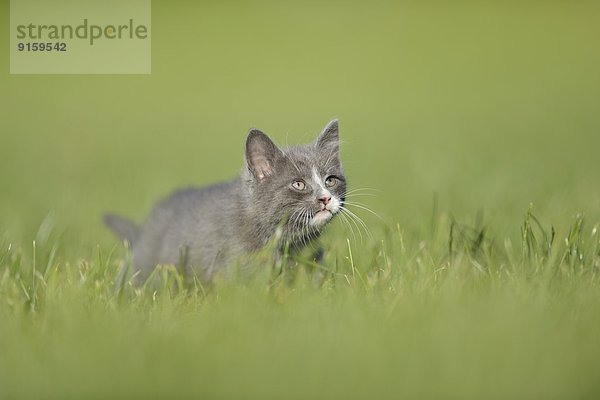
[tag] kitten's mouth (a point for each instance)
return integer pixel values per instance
(321, 217)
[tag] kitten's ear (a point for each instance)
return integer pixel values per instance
(330, 137)
(261, 154)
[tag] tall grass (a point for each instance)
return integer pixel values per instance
(460, 313)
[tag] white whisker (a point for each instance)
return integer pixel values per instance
(329, 159)
(359, 220)
(292, 162)
(351, 218)
(359, 194)
(347, 223)
(363, 207)
(363, 190)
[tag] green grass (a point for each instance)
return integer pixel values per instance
(393, 318)
(475, 125)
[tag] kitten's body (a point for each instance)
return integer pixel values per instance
(203, 229)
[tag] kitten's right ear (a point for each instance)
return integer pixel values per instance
(330, 137)
(261, 154)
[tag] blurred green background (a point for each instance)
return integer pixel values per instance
(489, 105)
(485, 106)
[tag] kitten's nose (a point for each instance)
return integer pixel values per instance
(325, 200)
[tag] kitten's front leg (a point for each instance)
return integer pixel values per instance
(318, 255)
(288, 260)
(320, 273)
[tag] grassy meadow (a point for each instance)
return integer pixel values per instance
(471, 128)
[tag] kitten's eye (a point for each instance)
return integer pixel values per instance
(298, 185)
(331, 181)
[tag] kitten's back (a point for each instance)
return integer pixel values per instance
(190, 227)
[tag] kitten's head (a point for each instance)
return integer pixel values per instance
(304, 185)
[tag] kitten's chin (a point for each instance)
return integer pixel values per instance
(321, 218)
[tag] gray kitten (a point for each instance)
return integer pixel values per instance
(293, 192)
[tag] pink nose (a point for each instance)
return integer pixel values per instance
(325, 200)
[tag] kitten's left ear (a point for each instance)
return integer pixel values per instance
(261, 154)
(330, 137)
